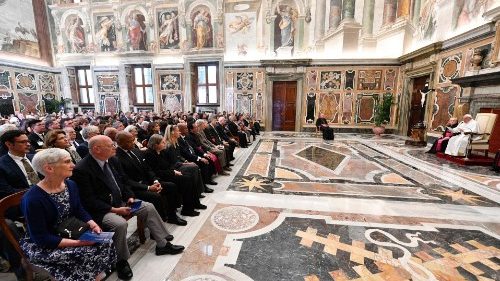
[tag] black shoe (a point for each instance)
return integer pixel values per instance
(211, 182)
(123, 270)
(201, 196)
(208, 189)
(227, 168)
(190, 213)
(224, 173)
(230, 164)
(169, 237)
(177, 221)
(200, 206)
(169, 249)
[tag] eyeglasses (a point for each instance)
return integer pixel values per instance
(23, 141)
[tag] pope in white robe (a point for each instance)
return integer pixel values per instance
(457, 145)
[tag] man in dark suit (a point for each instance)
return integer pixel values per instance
(214, 137)
(143, 181)
(220, 127)
(37, 133)
(106, 197)
(235, 131)
(87, 133)
(191, 155)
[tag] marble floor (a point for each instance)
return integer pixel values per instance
(296, 207)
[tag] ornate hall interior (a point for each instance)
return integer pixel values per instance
(295, 206)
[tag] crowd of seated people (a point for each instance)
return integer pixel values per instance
(95, 166)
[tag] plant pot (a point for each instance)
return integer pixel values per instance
(378, 130)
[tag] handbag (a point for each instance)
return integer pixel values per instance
(72, 228)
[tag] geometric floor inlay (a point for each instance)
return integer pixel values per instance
(323, 157)
(315, 249)
(235, 219)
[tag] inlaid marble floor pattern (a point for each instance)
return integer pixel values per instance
(296, 207)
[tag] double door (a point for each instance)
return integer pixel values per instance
(284, 105)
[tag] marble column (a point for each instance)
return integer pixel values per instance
(368, 13)
(348, 9)
(389, 12)
(404, 9)
(335, 14)
(319, 23)
(416, 11)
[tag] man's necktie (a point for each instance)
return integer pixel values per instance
(32, 175)
(115, 189)
(134, 158)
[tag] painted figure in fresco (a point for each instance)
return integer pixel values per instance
(137, 32)
(169, 30)
(106, 35)
(202, 28)
(428, 19)
(467, 10)
(76, 35)
(240, 23)
(286, 24)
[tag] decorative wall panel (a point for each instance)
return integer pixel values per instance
(5, 85)
(170, 82)
(365, 107)
(172, 102)
(47, 83)
(369, 79)
(6, 105)
(443, 106)
(107, 83)
(450, 68)
(390, 79)
(310, 107)
(349, 79)
(347, 106)
(244, 104)
(244, 81)
(26, 81)
(330, 80)
(109, 103)
(29, 103)
(259, 107)
(329, 105)
(312, 80)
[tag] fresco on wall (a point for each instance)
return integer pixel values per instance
(241, 33)
(18, 34)
(106, 33)
(168, 29)
(369, 79)
(75, 34)
(450, 68)
(466, 11)
(202, 32)
(284, 25)
(170, 82)
(427, 19)
(330, 80)
(137, 37)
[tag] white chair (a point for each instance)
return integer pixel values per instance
(486, 123)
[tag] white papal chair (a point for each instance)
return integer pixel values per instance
(486, 123)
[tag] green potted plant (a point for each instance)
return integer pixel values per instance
(382, 114)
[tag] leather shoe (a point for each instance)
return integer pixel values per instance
(177, 221)
(169, 237)
(230, 164)
(169, 249)
(200, 206)
(208, 190)
(211, 183)
(123, 270)
(224, 173)
(190, 213)
(201, 196)
(227, 168)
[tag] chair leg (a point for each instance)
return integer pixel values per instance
(140, 230)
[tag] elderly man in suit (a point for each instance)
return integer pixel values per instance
(208, 145)
(213, 136)
(106, 197)
(87, 133)
(144, 182)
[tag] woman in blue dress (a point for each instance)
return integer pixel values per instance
(45, 206)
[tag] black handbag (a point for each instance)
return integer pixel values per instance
(72, 228)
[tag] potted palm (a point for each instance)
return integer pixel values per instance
(382, 114)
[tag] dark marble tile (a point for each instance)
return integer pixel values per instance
(323, 157)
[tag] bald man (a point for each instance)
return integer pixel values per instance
(106, 197)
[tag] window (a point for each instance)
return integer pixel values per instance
(85, 92)
(143, 85)
(207, 84)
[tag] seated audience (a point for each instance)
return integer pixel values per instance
(133, 130)
(209, 146)
(458, 143)
(87, 133)
(107, 198)
(167, 171)
(57, 139)
(194, 141)
(48, 203)
(440, 144)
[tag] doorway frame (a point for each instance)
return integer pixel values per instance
(292, 77)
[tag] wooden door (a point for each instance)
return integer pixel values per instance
(284, 105)
(495, 134)
(417, 111)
